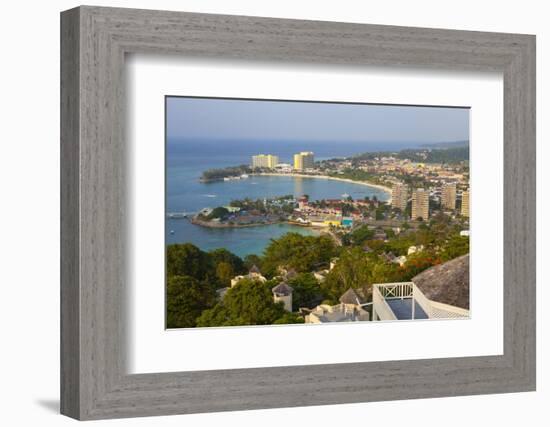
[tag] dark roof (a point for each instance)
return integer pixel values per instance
(351, 297)
(389, 256)
(291, 273)
(254, 269)
(282, 289)
(448, 283)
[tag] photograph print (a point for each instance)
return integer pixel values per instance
(297, 212)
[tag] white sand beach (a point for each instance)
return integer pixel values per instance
(299, 175)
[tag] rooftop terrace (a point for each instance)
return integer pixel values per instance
(405, 301)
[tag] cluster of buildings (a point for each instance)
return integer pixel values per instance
(281, 292)
(394, 166)
(420, 199)
(439, 292)
(443, 182)
(330, 212)
(349, 309)
(302, 161)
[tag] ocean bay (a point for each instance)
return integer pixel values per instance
(185, 193)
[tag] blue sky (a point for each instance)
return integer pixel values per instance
(220, 119)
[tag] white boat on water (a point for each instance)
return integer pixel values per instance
(235, 178)
(176, 215)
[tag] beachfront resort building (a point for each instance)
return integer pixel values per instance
(400, 196)
(420, 204)
(265, 161)
(465, 207)
(448, 196)
(441, 292)
(283, 167)
(304, 160)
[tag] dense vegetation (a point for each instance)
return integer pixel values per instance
(193, 276)
(438, 155)
(218, 174)
(298, 252)
(452, 154)
(247, 303)
(192, 279)
(278, 205)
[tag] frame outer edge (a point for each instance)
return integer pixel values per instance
(70, 396)
(525, 75)
(520, 216)
(88, 387)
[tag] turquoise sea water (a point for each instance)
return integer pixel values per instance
(186, 160)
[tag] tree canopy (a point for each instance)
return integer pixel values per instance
(360, 235)
(226, 264)
(247, 303)
(351, 271)
(218, 212)
(187, 260)
(306, 291)
(186, 298)
(301, 253)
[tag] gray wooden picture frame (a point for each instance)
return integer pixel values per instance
(94, 41)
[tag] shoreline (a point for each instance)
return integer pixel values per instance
(208, 224)
(334, 178)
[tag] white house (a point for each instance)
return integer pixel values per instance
(414, 249)
(253, 274)
(283, 293)
(349, 310)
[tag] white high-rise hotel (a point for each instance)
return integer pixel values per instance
(304, 160)
(264, 161)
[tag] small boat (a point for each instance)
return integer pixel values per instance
(177, 215)
(171, 231)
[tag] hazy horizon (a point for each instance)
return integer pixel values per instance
(253, 120)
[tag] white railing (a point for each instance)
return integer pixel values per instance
(380, 308)
(419, 297)
(396, 290)
(434, 310)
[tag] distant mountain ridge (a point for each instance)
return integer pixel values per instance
(431, 154)
(443, 145)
